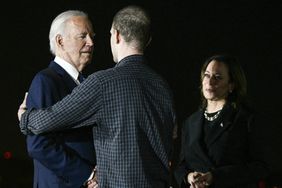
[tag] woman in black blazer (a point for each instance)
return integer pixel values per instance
(220, 147)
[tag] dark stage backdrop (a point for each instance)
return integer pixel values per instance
(185, 33)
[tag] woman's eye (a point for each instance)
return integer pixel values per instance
(218, 77)
(206, 75)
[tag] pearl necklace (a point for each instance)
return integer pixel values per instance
(212, 117)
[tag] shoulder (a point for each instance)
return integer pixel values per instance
(103, 75)
(244, 117)
(194, 117)
(46, 77)
(46, 73)
(245, 112)
(131, 71)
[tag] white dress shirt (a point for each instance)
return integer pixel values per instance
(69, 68)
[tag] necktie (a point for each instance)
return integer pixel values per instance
(80, 78)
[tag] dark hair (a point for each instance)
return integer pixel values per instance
(133, 23)
(236, 76)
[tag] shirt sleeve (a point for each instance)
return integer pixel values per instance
(80, 108)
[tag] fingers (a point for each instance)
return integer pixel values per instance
(199, 180)
(206, 179)
(92, 184)
(25, 97)
(201, 183)
(193, 176)
(22, 107)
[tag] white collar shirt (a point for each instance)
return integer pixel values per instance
(70, 69)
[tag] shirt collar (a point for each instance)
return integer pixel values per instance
(131, 58)
(69, 68)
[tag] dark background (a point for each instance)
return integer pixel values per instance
(185, 33)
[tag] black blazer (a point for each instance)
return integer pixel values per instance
(62, 159)
(231, 153)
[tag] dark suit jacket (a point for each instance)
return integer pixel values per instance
(232, 150)
(63, 159)
(133, 109)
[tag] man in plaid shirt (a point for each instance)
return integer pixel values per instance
(129, 106)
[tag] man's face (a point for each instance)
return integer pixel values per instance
(77, 44)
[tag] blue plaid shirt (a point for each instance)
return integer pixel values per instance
(131, 110)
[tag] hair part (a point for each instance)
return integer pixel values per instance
(59, 24)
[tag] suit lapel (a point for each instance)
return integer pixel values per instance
(197, 137)
(70, 83)
(221, 124)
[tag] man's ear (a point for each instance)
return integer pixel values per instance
(117, 36)
(59, 40)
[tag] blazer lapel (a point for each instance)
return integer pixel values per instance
(196, 137)
(70, 83)
(221, 124)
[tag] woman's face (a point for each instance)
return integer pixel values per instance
(215, 82)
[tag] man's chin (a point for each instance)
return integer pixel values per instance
(87, 62)
(87, 58)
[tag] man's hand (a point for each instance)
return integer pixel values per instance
(93, 183)
(22, 107)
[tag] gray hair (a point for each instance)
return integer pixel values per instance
(58, 26)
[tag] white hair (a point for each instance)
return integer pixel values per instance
(58, 26)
